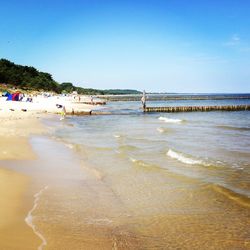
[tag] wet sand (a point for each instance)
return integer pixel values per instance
(15, 234)
(15, 193)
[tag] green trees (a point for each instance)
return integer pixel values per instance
(66, 87)
(26, 77)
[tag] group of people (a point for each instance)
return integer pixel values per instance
(143, 100)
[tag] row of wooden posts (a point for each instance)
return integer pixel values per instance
(197, 108)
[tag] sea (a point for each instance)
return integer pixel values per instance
(133, 180)
(212, 147)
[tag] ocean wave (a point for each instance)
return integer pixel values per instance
(29, 219)
(69, 145)
(237, 195)
(185, 159)
(93, 171)
(169, 120)
(61, 140)
(163, 130)
(127, 148)
(227, 127)
(139, 162)
(117, 136)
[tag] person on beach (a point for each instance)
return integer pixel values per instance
(63, 113)
(143, 99)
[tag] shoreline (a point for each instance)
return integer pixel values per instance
(16, 128)
(83, 210)
(15, 234)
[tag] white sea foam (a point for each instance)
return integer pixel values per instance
(117, 136)
(138, 162)
(169, 120)
(163, 130)
(184, 159)
(29, 219)
(68, 145)
(132, 159)
(160, 130)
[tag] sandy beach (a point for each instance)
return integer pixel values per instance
(125, 125)
(15, 187)
(15, 234)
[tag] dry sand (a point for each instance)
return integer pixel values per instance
(15, 199)
(14, 132)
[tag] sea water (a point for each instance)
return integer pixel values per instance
(163, 180)
(134, 180)
(213, 147)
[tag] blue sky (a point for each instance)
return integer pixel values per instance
(167, 46)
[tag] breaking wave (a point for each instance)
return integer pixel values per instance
(185, 159)
(237, 195)
(163, 130)
(169, 120)
(117, 136)
(69, 145)
(139, 162)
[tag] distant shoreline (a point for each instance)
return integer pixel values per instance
(166, 97)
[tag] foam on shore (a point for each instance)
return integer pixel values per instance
(29, 218)
(169, 120)
(139, 162)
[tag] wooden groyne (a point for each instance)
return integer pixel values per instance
(95, 103)
(197, 108)
(79, 113)
(175, 97)
(164, 109)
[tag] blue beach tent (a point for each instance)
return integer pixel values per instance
(9, 97)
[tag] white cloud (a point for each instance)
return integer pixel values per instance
(233, 41)
(235, 38)
(238, 44)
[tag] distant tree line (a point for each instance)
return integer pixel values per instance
(29, 78)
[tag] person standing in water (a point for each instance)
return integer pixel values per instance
(63, 113)
(143, 99)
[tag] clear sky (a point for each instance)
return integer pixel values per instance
(171, 45)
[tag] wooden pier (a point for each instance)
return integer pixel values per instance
(197, 108)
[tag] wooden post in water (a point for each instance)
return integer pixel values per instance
(197, 108)
(143, 100)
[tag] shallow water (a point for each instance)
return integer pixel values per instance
(212, 147)
(159, 176)
(144, 181)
